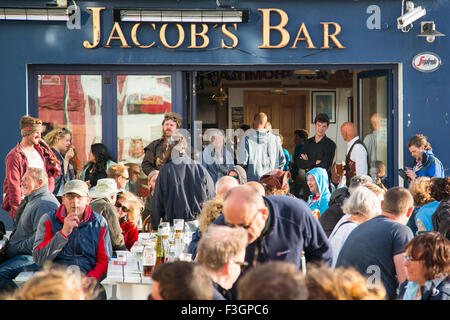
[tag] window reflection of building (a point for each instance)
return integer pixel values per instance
(376, 142)
(73, 102)
(142, 101)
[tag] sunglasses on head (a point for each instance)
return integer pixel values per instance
(120, 206)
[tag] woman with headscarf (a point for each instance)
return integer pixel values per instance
(317, 181)
(238, 173)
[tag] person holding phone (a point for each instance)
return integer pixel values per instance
(425, 162)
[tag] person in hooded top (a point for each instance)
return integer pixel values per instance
(260, 151)
(238, 173)
(317, 180)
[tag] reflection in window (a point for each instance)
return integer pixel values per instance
(374, 124)
(141, 104)
(73, 102)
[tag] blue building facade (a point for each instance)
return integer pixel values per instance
(359, 36)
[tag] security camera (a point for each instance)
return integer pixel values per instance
(410, 16)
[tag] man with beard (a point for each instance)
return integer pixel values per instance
(154, 152)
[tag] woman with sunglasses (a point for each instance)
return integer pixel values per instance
(426, 260)
(129, 208)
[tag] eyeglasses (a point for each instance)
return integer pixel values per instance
(242, 264)
(136, 172)
(246, 226)
(408, 258)
(126, 178)
(120, 206)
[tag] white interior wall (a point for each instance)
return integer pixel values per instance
(236, 99)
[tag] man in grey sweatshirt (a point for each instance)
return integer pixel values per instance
(37, 202)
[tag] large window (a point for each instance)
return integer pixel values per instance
(142, 101)
(73, 102)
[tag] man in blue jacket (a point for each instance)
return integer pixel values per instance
(38, 201)
(278, 227)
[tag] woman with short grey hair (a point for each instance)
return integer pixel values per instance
(362, 205)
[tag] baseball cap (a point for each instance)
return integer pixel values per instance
(76, 186)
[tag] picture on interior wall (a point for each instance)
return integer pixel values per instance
(324, 102)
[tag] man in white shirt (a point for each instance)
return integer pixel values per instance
(24, 155)
(356, 162)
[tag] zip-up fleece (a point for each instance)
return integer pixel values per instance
(261, 152)
(88, 246)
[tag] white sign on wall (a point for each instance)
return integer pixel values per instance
(426, 62)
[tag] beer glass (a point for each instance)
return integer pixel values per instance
(178, 227)
(164, 230)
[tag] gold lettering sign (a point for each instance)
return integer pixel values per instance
(120, 37)
(267, 27)
(202, 34)
(231, 36)
(162, 36)
(302, 33)
(135, 39)
(307, 37)
(95, 28)
(326, 35)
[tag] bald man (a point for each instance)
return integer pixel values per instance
(356, 160)
(278, 227)
(225, 184)
(260, 151)
(258, 187)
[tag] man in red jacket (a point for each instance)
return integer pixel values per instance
(32, 152)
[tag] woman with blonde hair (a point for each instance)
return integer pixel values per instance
(60, 142)
(129, 208)
(211, 210)
(341, 284)
(420, 190)
(56, 283)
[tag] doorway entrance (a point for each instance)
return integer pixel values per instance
(286, 112)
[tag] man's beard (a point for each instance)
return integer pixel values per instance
(167, 133)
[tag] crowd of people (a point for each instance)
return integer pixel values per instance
(266, 226)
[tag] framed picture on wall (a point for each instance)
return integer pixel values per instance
(324, 102)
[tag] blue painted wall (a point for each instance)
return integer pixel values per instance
(426, 96)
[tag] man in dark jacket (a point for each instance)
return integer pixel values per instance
(278, 227)
(38, 201)
(318, 151)
(440, 191)
(154, 152)
(182, 186)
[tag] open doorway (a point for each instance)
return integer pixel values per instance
(292, 98)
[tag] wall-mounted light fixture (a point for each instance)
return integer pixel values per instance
(428, 30)
(34, 14)
(229, 15)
